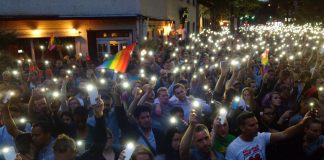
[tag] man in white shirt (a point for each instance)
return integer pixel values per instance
(251, 144)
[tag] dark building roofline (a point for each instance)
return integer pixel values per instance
(70, 17)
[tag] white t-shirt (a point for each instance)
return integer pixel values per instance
(254, 150)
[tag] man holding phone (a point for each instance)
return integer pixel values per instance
(199, 135)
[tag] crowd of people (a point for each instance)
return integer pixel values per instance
(256, 94)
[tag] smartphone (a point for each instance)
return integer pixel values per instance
(7, 97)
(322, 50)
(93, 94)
(81, 146)
(313, 112)
(9, 153)
(235, 105)
(130, 147)
(238, 66)
(222, 115)
(224, 64)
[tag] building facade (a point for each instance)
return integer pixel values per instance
(92, 27)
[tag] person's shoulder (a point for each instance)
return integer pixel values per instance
(230, 137)
(263, 137)
(261, 134)
(321, 139)
(235, 142)
(157, 132)
(2, 130)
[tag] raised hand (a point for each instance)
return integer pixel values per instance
(138, 93)
(193, 118)
(99, 107)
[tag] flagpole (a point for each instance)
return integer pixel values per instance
(32, 50)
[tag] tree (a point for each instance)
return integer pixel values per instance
(229, 9)
(303, 10)
(7, 38)
(309, 11)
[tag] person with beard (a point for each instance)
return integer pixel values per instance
(251, 144)
(141, 131)
(164, 80)
(40, 110)
(110, 118)
(197, 134)
(313, 141)
(142, 97)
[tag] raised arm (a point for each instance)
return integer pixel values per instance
(318, 65)
(289, 132)
(64, 106)
(234, 76)
(100, 127)
(9, 122)
(135, 102)
(122, 118)
(221, 80)
(186, 139)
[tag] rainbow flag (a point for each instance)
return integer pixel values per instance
(51, 44)
(119, 61)
(265, 57)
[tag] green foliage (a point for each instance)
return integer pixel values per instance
(310, 11)
(242, 7)
(304, 11)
